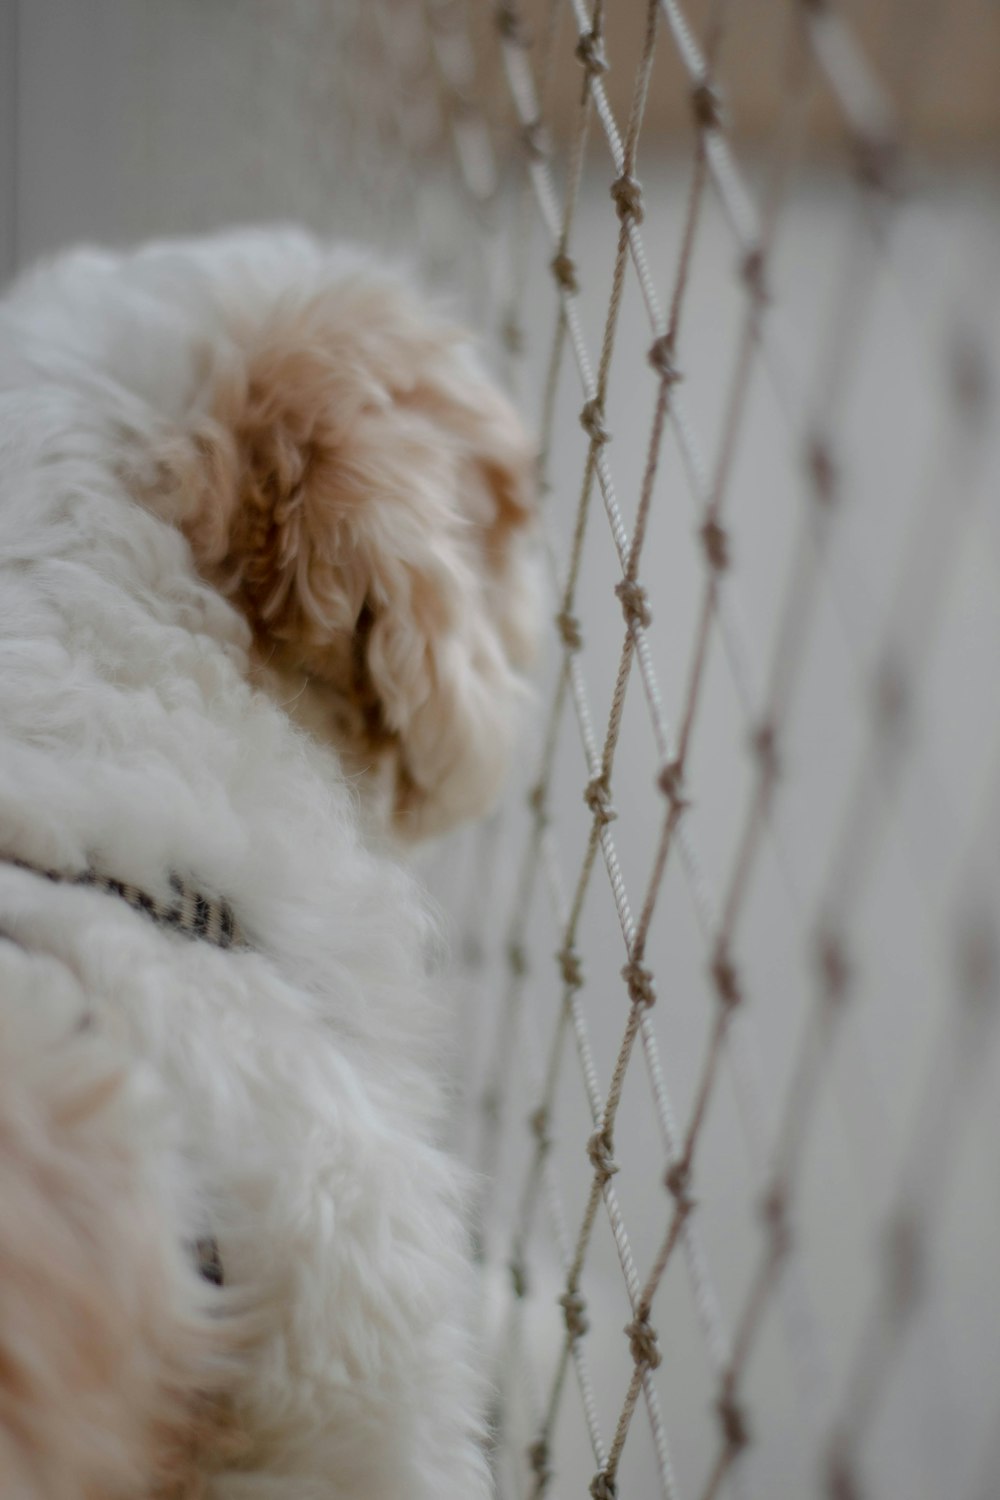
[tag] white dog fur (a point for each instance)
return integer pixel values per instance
(241, 480)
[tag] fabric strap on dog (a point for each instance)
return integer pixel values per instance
(187, 911)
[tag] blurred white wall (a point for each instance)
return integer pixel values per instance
(121, 119)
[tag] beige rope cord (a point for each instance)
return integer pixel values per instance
(734, 939)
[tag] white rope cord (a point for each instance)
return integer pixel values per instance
(546, 199)
(812, 385)
(751, 1106)
(621, 544)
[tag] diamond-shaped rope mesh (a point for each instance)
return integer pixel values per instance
(730, 965)
(734, 939)
(707, 356)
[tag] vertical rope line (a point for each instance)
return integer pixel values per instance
(868, 112)
(584, 368)
(844, 886)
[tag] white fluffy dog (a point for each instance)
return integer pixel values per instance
(243, 481)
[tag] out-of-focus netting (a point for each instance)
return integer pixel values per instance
(735, 939)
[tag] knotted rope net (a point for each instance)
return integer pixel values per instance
(730, 949)
(735, 935)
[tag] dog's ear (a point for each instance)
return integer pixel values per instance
(360, 489)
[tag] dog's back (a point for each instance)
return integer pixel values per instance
(242, 479)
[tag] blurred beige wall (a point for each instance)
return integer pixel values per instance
(939, 59)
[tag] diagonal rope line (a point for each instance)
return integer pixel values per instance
(875, 783)
(623, 1059)
(871, 129)
(611, 860)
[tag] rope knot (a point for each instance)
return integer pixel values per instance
(517, 960)
(726, 980)
(569, 630)
(538, 1121)
(765, 745)
(877, 162)
(600, 1150)
(510, 25)
(834, 966)
(892, 696)
(716, 545)
(643, 1343)
(603, 1487)
(536, 803)
(678, 1182)
(671, 783)
(575, 1314)
(589, 51)
(906, 1262)
(977, 960)
(754, 279)
(592, 422)
(572, 970)
(535, 140)
(774, 1212)
(627, 194)
(597, 795)
(841, 1481)
(661, 357)
(971, 378)
(641, 989)
(634, 602)
(733, 1420)
(822, 470)
(563, 268)
(538, 1458)
(512, 335)
(706, 104)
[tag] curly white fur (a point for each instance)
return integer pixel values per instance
(285, 1096)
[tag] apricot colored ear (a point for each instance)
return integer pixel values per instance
(359, 488)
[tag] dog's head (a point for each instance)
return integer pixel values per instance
(357, 486)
